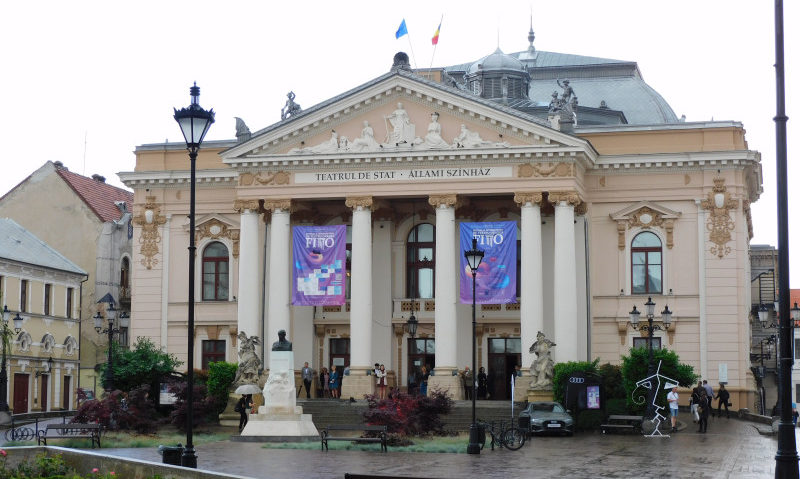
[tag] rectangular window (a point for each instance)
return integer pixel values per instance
(213, 351)
(23, 296)
(69, 303)
(47, 299)
(642, 343)
(796, 348)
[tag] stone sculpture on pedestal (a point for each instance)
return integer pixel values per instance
(542, 366)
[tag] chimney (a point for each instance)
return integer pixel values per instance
(100, 178)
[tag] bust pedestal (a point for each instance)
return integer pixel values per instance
(280, 419)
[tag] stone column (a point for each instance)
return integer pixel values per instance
(445, 295)
(531, 317)
(280, 252)
(248, 298)
(357, 384)
(565, 308)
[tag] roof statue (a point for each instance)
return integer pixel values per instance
(242, 132)
(291, 108)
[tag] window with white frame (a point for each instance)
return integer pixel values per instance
(215, 272)
(646, 264)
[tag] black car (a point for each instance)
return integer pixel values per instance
(547, 417)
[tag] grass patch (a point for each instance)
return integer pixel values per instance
(119, 439)
(436, 445)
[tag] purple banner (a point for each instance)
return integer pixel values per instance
(320, 255)
(496, 278)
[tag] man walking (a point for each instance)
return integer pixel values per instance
(308, 377)
(469, 383)
(709, 395)
(672, 399)
(724, 396)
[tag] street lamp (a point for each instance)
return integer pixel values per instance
(5, 335)
(111, 314)
(474, 257)
(194, 123)
(666, 319)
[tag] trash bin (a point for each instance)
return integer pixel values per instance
(171, 454)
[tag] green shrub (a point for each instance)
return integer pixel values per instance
(635, 368)
(220, 379)
(562, 371)
(611, 377)
(617, 406)
(589, 419)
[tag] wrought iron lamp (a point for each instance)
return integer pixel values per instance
(474, 258)
(194, 122)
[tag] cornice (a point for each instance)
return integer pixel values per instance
(692, 161)
(132, 179)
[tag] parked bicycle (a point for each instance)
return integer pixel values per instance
(511, 437)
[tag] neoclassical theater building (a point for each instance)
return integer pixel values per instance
(615, 200)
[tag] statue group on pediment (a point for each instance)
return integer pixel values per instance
(400, 134)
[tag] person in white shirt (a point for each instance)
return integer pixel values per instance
(672, 399)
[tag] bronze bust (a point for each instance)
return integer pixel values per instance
(282, 344)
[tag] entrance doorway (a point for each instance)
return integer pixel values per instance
(339, 355)
(421, 352)
(65, 405)
(504, 354)
(21, 393)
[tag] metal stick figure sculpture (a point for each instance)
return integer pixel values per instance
(653, 384)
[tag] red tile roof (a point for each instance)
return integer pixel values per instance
(98, 195)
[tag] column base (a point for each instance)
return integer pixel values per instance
(358, 384)
(539, 395)
(443, 380)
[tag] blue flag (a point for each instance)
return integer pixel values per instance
(402, 30)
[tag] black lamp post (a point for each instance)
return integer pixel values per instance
(474, 257)
(194, 123)
(666, 319)
(111, 314)
(5, 335)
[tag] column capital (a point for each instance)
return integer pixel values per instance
(364, 202)
(240, 206)
(524, 197)
(446, 199)
(570, 197)
(274, 204)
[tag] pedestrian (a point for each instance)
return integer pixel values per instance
(695, 402)
(704, 409)
(243, 407)
(672, 399)
(334, 382)
(482, 383)
(325, 380)
(723, 397)
(423, 384)
(380, 375)
(709, 395)
(468, 383)
(308, 376)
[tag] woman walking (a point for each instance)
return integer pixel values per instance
(324, 379)
(334, 382)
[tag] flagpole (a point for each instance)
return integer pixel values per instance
(412, 49)
(437, 41)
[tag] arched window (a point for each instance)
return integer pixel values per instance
(124, 279)
(420, 261)
(646, 264)
(215, 272)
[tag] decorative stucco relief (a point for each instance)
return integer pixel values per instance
(356, 202)
(545, 170)
(149, 219)
(447, 200)
(264, 178)
(719, 203)
(216, 229)
(645, 215)
(533, 197)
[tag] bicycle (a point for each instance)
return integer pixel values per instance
(512, 437)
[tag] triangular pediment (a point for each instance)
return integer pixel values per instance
(645, 208)
(400, 113)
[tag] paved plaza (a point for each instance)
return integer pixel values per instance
(731, 449)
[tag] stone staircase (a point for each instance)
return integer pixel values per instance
(326, 412)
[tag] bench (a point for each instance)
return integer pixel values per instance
(618, 422)
(70, 431)
(325, 435)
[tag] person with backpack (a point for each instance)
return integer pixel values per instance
(703, 408)
(724, 396)
(695, 402)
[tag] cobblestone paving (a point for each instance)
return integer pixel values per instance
(730, 449)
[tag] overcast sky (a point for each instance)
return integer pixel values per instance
(85, 82)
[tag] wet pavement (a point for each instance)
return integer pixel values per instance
(730, 449)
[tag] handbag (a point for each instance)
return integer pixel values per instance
(238, 407)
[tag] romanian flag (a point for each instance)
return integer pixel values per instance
(435, 39)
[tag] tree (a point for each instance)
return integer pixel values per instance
(145, 364)
(220, 379)
(635, 368)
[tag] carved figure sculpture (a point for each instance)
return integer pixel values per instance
(249, 363)
(402, 130)
(568, 92)
(434, 137)
(241, 127)
(329, 146)
(472, 139)
(282, 344)
(542, 366)
(366, 141)
(291, 108)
